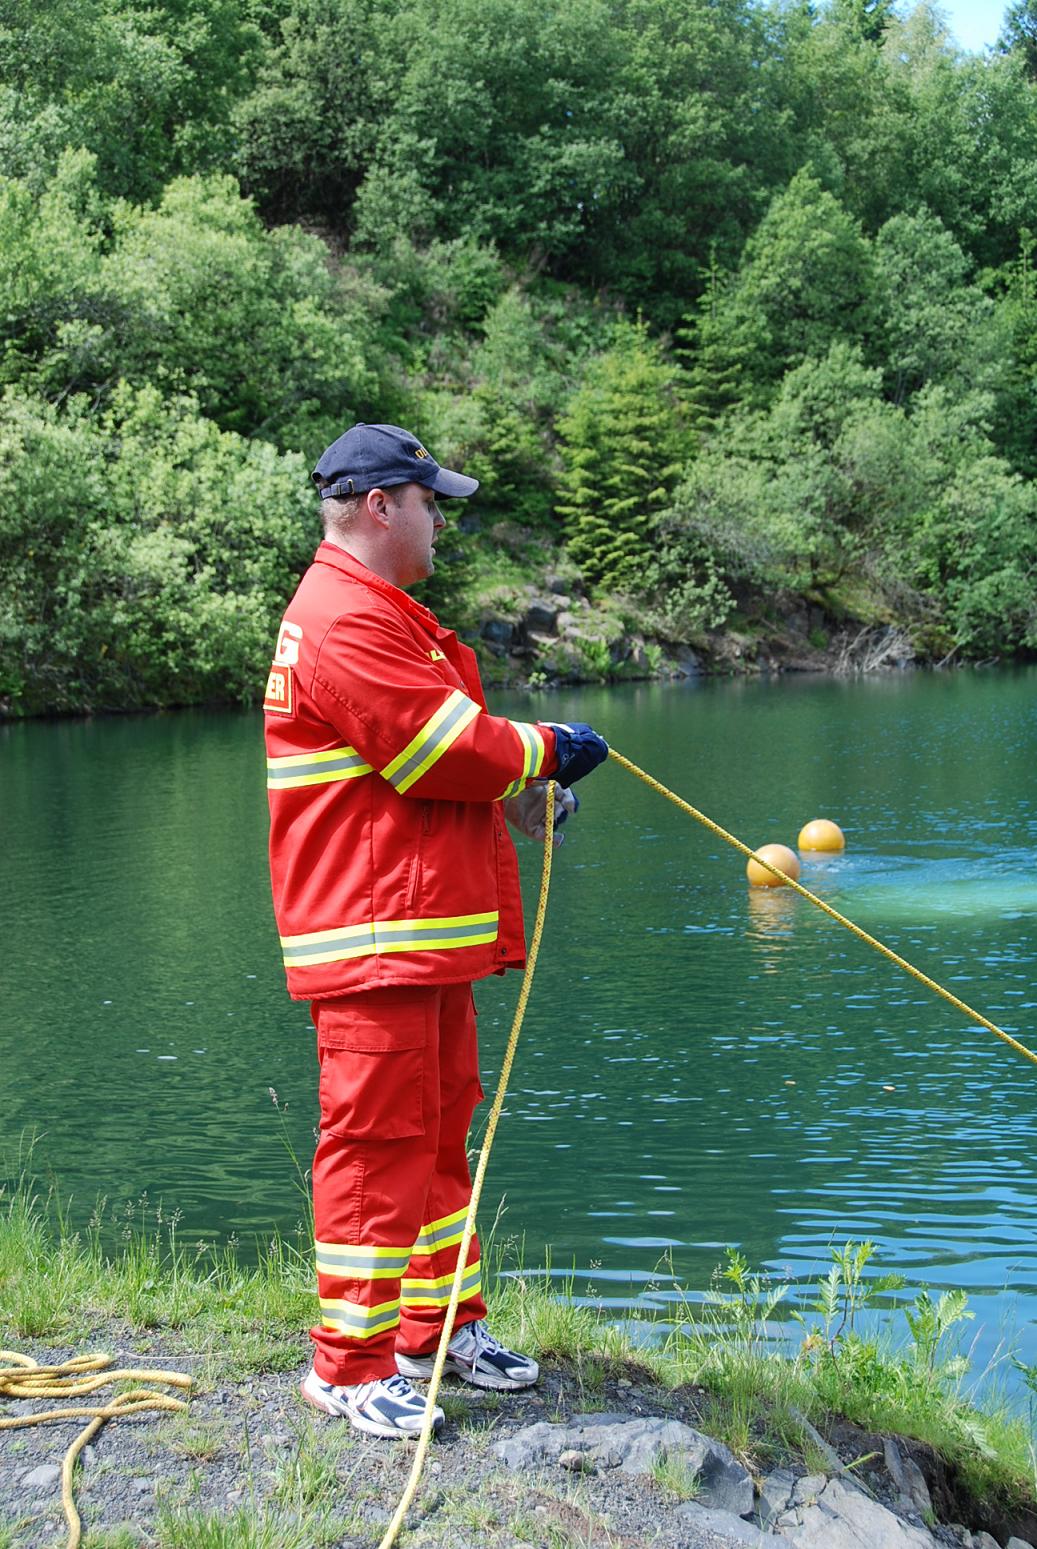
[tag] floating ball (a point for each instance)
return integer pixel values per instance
(779, 855)
(821, 834)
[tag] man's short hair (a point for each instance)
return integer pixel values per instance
(339, 512)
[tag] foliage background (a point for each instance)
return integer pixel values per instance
(730, 306)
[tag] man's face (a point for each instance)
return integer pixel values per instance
(414, 524)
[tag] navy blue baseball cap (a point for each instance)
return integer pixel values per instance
(379, 456)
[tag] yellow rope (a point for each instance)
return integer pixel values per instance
(862, 935)
(22, 1377)
(480, 1173)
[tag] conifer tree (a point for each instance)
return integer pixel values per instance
(712, 355)
(622, 446)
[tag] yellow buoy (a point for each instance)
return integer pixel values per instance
(821, 834)
(779, 855)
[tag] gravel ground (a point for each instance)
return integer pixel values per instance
(252, 1446)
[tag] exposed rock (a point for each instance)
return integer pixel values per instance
(908, 1478)
(806, 1490)
(632, 1446)
(45, 1477)
(1018, 1543)
(542, 615)
(704, 1519)
(843, 1517)
(984, 1541)
(498, 632)
(686, 662)
(828, 1452)
(775, 1495)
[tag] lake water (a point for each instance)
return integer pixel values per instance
(703, 1064)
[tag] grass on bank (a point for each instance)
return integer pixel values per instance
(61, 1286)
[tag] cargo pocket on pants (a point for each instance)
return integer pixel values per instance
(372, 1065)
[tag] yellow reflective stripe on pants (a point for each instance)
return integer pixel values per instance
(455, 713)
(532, 756)
(436, 1293)
(443, 1233)
(347, 941)
(297, 769)
(361, 1261)
(357, 1321)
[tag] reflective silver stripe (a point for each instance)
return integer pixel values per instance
(347, 1262)
(299, 769)
(455, 713)
(436, 1293)
(357, 1321)
(442, 1233)
(439, 935)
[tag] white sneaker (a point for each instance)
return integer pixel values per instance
(474, 1355)
(388, 1406)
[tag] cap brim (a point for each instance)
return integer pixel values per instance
(446, 482)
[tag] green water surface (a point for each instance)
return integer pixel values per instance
(703, 1064)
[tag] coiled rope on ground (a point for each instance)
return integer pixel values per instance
(22, 1377)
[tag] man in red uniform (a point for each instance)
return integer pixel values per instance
(395, 885)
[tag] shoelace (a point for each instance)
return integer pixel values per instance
(482, 1343)
(396, 1385)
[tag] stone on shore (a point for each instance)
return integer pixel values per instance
(45, 1477)
(633, 1445)
(840, 1516)
(908, 1478)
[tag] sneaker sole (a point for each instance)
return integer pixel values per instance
(361, 1423)
(420, 1370)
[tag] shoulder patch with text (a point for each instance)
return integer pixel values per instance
(279, 694)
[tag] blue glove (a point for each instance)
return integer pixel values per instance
(579, 750)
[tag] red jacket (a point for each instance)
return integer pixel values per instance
(389, 854)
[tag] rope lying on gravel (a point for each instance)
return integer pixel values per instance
(22, 1377)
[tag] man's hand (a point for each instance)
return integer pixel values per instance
(579, 750)
(528, 809)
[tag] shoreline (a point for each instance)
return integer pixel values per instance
(843, 1408)
(725, 660)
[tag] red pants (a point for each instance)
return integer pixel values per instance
(399, 1081)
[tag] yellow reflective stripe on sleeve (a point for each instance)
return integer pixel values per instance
(443, 1233)
(455, 713)
(361, 1261)
(381, 936)
(357, 1321)
(436, 1293)
(297, 769)
(533, 750)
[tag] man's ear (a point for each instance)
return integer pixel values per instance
(378, 506)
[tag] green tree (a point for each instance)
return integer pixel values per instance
(805, 280)
(933, 325)
(148, 92)
(145, 554)
(1015, 422)
(1019, 34)
(621, 445)
(194, 295)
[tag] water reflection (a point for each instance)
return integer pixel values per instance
(771, 914)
